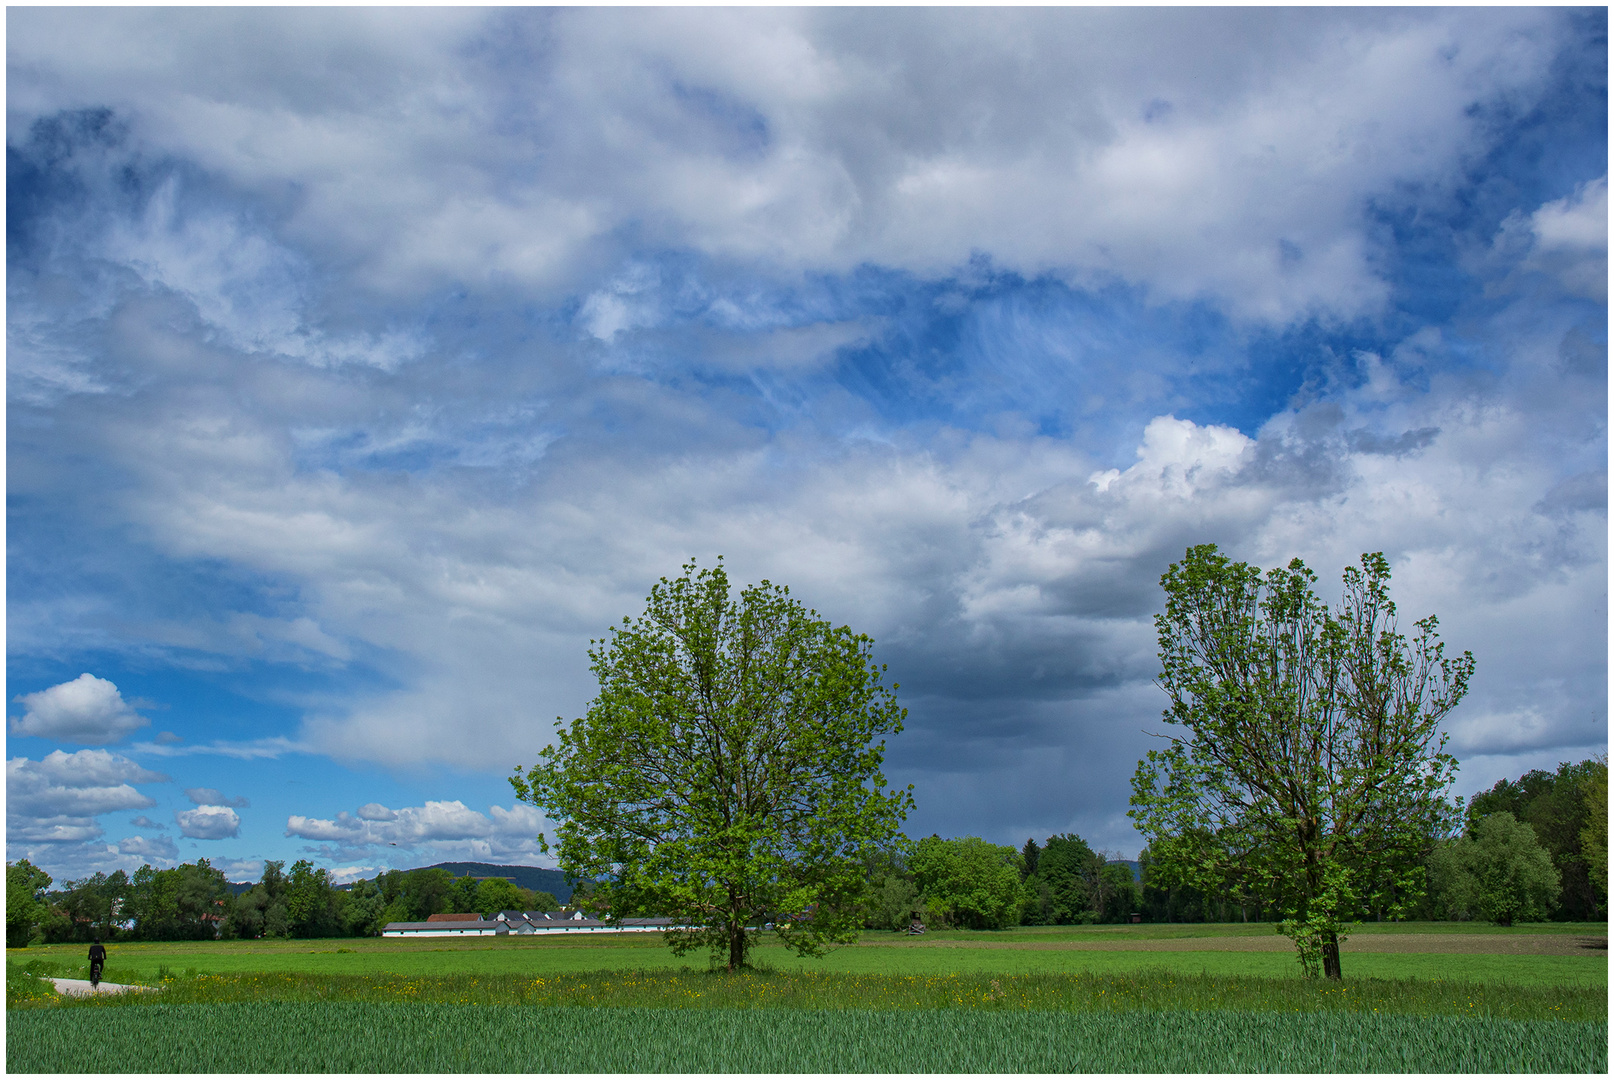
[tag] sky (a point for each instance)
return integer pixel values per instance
(363, 364)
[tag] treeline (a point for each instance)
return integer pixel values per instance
(193, 901)
(1532, 849)
(977, 885)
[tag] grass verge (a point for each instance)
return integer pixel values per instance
(426, 1037)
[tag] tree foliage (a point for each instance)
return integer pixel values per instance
(1064, 888)
(1557, 805)
(25, 901)
(728, 772)
(892, 899)
(1594, 834)
(968, 882)
(1500, 872)
(1312, 774)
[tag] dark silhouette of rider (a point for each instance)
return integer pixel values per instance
(97, 962)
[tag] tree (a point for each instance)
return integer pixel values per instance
(462, 894)
(1501, 872)
(89, 907)
(261, 910)
(727, 774)
(968, 882)
(311, 904)
(1029, 856)
(1115, 892)
(1555, 805)
(1312, 776)
(25, 901)
(502, 894)
(1061, 892)
(1594, 835)
(186, 903)
(361, 914)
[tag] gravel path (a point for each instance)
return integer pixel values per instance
(82, 987)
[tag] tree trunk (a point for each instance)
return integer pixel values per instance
(736, 946)
(1331, 956)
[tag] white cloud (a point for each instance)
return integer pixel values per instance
(84, 710)
(1571, 240)
(56, 801)
(208, 823)
(82, 784)
(457, 527)
(159, 847)
(1087, 142)
(446, 830)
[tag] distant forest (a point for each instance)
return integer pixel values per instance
(1553, 821)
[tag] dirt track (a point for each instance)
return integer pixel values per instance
(1501, 944)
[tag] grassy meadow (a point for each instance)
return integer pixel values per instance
(1135, 998)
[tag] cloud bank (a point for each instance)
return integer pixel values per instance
(375, 362)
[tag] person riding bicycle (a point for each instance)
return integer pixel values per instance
(97, 962)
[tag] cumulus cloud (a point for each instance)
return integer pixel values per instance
(56, 800)
(145, 822)
(84, 710)
(206, 796)
(208, 823)
(446, 829)
(160, 848)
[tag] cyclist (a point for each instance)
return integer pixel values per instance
(97, 962)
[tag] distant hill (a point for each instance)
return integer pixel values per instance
(535, 878)
(239, 887)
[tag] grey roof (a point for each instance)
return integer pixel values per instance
(479, 924)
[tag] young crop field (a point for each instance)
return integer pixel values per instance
(420, 1037)
(1037, 1001)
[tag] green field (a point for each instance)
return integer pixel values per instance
(1135, 998)
(355, 1037)
(887, 954)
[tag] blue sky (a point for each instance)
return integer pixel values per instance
(362, 364)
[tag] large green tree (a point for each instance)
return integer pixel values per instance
(1062, 889)
(1556, 805)
(968, 882)
(728, 772)
(1311, 774)
(25, 901)
(1499, 872)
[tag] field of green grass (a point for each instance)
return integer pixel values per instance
(1133, 998)
(1028, 950)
